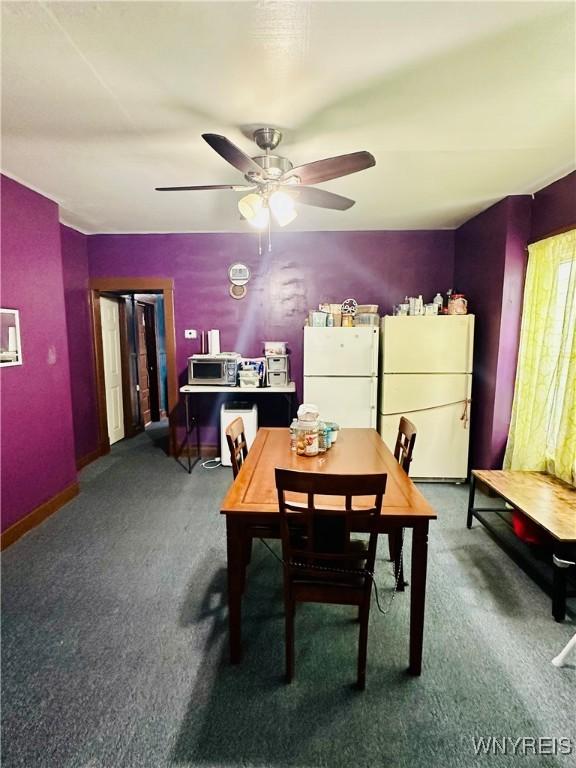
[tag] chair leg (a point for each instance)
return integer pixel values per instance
(289, 610)
(363, 643)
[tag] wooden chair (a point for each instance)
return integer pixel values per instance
(403, 455)
(237, 445)
(238, 448)
(321, 563)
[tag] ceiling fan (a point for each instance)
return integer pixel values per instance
(274, 185)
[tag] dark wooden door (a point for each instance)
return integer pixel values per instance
(132, 418)
(152, 354)
(143, 375)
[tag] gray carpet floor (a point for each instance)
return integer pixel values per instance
(115, 643)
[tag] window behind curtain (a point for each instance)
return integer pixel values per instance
(543, 427)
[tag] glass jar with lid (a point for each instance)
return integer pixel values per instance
(307, 438)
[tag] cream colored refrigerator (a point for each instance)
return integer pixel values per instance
(426, 375)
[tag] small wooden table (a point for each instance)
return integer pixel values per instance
(252, 501)
(550, 503)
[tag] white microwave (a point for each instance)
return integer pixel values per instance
(219, 370)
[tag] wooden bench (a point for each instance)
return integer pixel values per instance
(549, 503)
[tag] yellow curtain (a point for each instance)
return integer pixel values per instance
(543, 426)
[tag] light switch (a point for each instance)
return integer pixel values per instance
(190, 334)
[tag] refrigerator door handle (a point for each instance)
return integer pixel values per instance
(374, 402)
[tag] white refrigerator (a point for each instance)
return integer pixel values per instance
(341, 374)
(426, 375)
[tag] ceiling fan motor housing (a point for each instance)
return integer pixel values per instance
(267, 138)
(272, 165)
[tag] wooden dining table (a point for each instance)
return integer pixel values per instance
(251, 505)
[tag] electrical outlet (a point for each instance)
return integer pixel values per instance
(190, 334)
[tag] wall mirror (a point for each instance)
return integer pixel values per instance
(10, 346)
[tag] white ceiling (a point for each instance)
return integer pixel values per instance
(461, 103)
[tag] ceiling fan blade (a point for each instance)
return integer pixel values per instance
(234, 187)
(232, 154)
(331, 168)
(321, 198)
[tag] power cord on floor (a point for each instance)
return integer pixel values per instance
(215, 463)
(352, 572)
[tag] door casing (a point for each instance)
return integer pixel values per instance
(162, 285)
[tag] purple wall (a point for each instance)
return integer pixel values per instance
(554, 208)
(515, 261)
(302, 270)
(479, 273)
(37, 439)
(75, 275)
(490, 265)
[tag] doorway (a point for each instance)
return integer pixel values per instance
(147, 355)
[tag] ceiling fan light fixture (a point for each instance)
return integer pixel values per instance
(252, 207)
(261, 219)
(282, 207)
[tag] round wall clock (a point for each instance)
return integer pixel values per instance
(239, 274)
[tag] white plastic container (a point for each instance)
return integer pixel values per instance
(277, 378)
(317, 319)
(277, 363)
(249, 379)
(366, 318)
(274, 348)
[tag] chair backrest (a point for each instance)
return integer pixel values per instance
(317, 536)
(237, 445)
(405, 444)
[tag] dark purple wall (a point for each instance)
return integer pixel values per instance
(518, 227)
(490, 266)
(37, 439)
(479, 273)
(302, 270)
(75, 275)
(554, 208)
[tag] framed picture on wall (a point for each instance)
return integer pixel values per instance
(10, 345)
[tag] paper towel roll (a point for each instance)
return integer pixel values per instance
(12, 342)
(213, 342)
